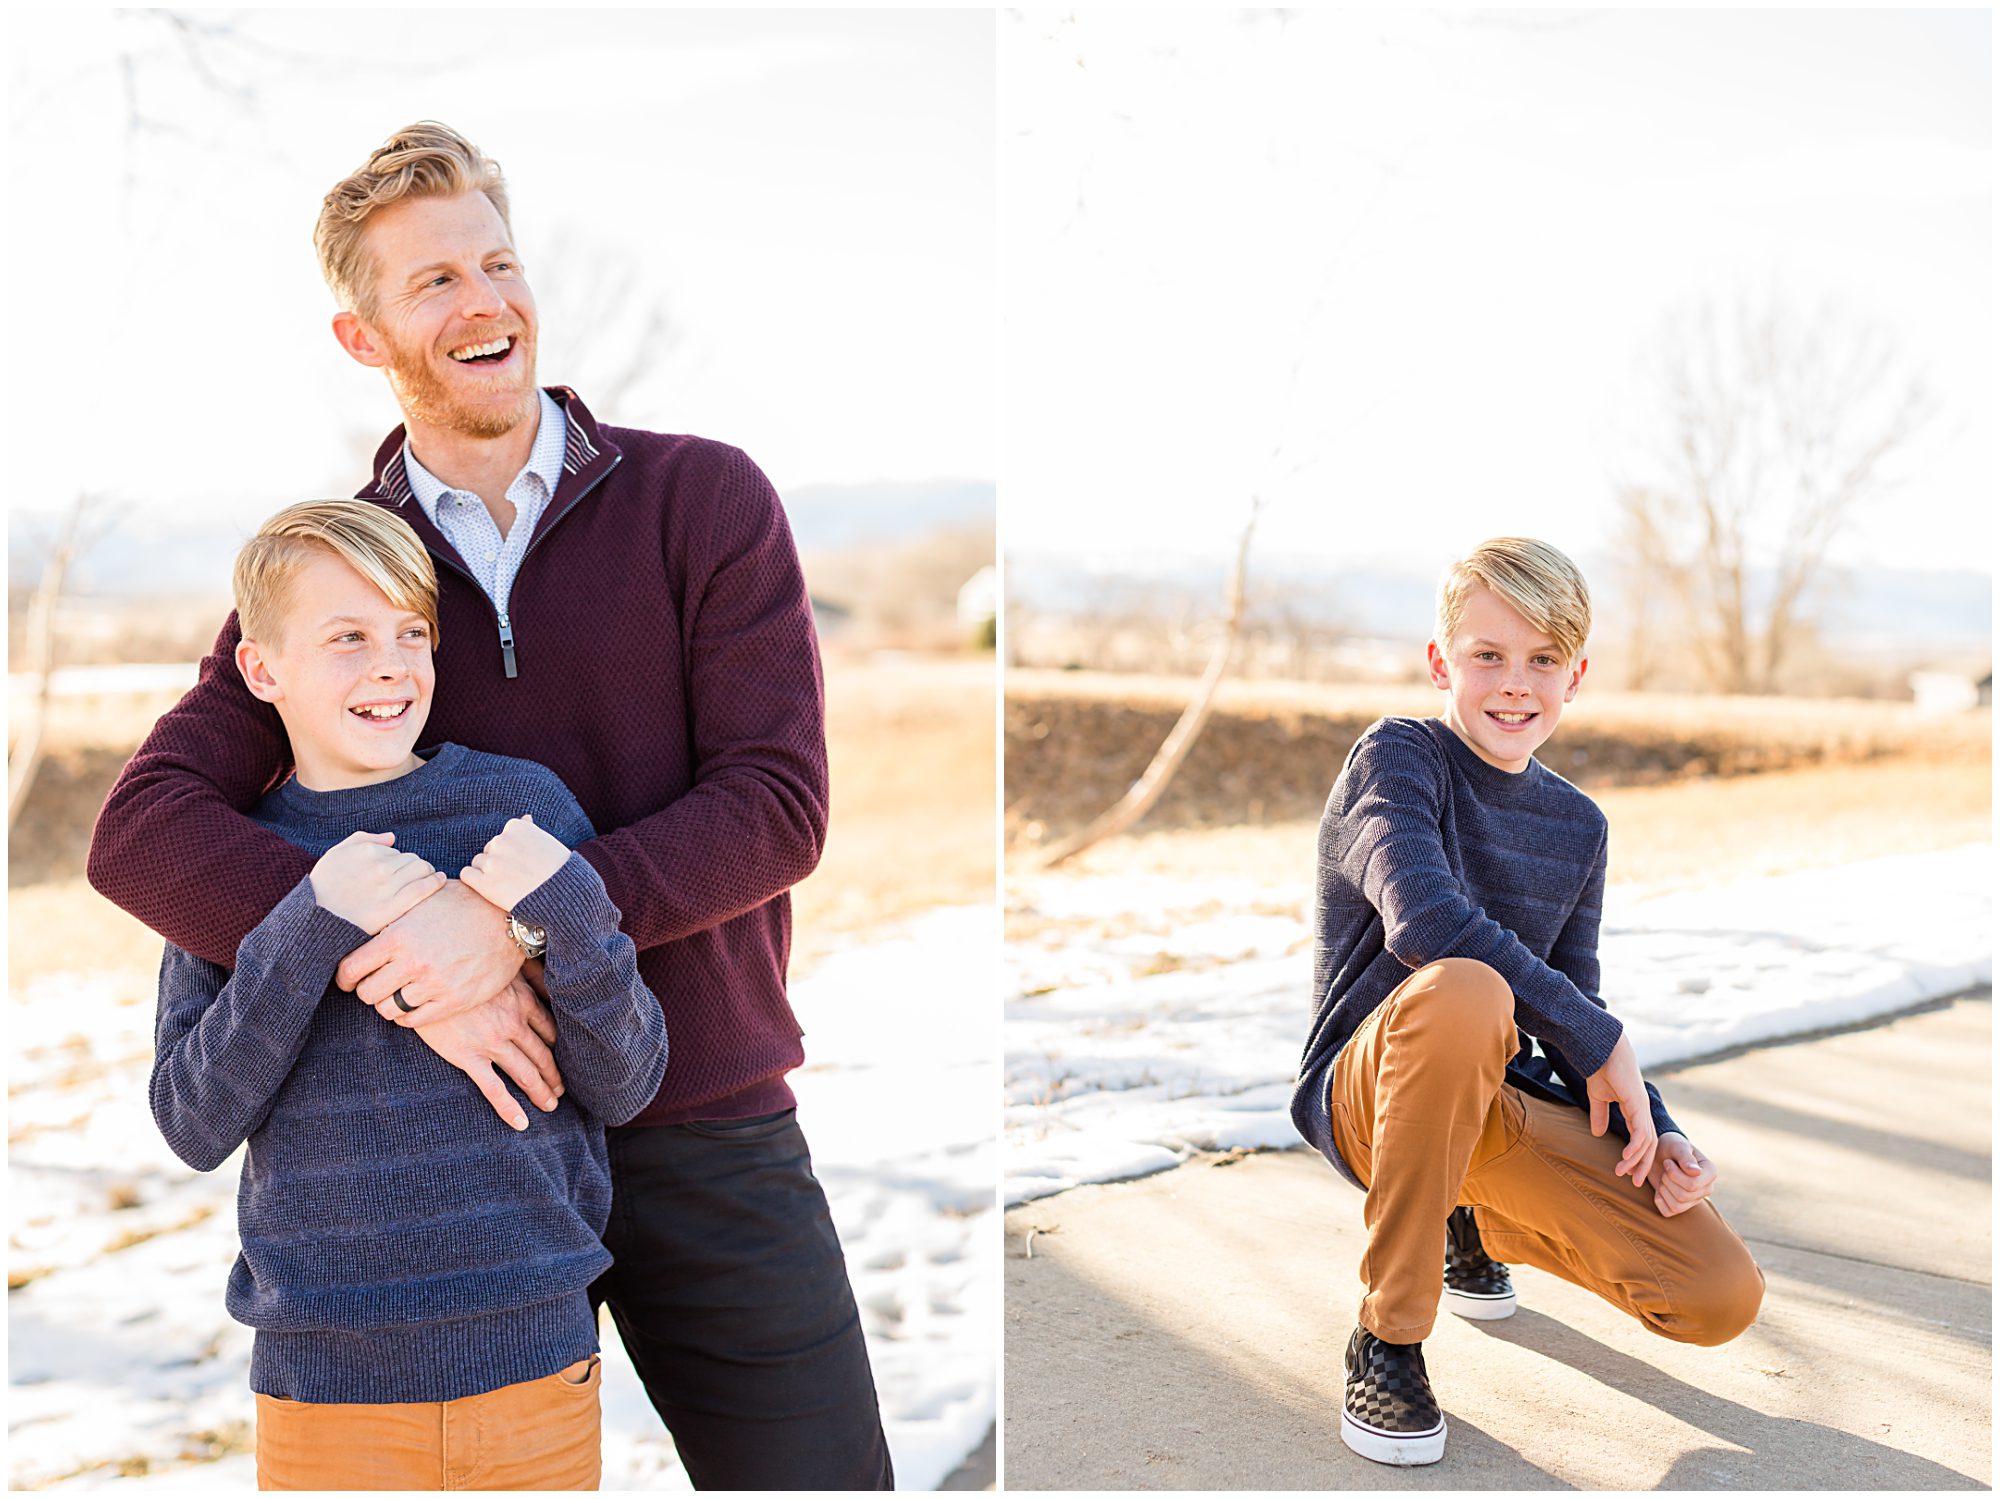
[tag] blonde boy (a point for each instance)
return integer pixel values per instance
(1460, 885)
(415, 1258)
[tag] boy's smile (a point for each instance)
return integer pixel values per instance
(1505, 680)
(351, 677)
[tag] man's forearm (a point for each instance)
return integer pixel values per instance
(172, 845)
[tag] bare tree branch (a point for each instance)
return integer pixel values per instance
(1779, 431)
(607, 328)
(1152, 783)
(25, 755)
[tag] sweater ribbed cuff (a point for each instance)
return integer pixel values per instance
(572, 907)
(300, 934)
(1585, 1034)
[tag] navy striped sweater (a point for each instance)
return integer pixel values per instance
(400, 1242)
(1427, 852)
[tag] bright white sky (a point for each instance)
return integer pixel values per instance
(809, 194)
(1464, 233)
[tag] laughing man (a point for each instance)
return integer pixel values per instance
(626, 608)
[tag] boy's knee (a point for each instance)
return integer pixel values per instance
(1724, 1305)
(1481, 1001)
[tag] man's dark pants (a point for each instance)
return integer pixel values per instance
(730, 1293)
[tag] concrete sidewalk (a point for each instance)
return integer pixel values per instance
(1186, 1330)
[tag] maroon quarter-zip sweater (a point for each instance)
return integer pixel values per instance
(657, 654)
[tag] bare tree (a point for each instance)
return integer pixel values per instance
(83, 524)
(1779, 430)
(1152, 783)
(606, 325)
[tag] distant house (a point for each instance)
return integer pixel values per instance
(829, 618)
(1951, 691)
(979, 598)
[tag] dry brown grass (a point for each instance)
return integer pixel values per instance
(1075, 741)
(1662, 837)
(912, 750)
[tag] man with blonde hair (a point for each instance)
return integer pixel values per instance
(1462, 1068)
(625, 607)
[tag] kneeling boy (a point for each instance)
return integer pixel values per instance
(1460, 882)
(416, 1267)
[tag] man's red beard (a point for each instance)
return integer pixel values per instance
(428, 397)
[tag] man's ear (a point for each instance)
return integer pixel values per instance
(362, 343)
(257, 672)
(1440, 667)
(1576, 678)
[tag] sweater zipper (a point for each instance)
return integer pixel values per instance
(507, 660)
(507, 646)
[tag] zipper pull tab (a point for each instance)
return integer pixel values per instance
(507, 646)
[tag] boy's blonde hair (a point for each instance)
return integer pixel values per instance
(424, 160)
(1539, 582)
(375, 542)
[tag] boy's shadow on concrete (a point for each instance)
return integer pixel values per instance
(1772, 1445)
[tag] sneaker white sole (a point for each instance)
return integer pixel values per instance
(1397, 1449)
(1479, 1308)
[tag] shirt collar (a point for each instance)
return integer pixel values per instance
(544, 460)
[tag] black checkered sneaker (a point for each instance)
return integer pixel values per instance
(1474, 1286)
(1389, 1414)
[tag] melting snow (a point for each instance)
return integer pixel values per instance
(124, 1367)
(1148, 1018)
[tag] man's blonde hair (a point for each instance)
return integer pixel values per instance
(1539, 582)
(424, 160)
(375, 542)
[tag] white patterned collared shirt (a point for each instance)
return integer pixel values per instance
(467, 524)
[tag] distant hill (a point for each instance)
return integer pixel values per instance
(1952, 610)
(831, 517)
(151, 555)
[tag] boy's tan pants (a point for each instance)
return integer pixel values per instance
(539, 1434)
(1423, 1114)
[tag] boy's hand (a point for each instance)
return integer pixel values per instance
(363, 880)
(517, 860)
(1686, 1176)
(449, 955)
(1618, 1081)
(512, 1032)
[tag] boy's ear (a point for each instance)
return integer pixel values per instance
(257, 672)
(1576, 678)
(360, 341)
(1441, 667)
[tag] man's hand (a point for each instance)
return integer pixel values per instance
(1686, 1176)
(515, 862)
(512, 1032)
(1618, 1081)
(447, 956)
(363, 880)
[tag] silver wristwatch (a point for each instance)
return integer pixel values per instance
(532, 940)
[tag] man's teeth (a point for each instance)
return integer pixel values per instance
(381, 710)
(498, 346)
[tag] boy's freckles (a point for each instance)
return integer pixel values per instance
(353, 678)
(1505, 681)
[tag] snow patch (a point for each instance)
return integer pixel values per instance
(124, 1368)
(1153, 1018)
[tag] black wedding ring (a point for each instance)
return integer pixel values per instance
(403, 1004)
